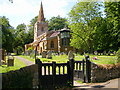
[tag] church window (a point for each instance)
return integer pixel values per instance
(52, 44)
(65, 41)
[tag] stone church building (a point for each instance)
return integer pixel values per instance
(44, 40)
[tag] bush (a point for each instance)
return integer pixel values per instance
(19, 50)
(118, 56)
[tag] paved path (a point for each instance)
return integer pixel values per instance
(26, 61)
(114, 83)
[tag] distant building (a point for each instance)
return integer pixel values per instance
(44, 40)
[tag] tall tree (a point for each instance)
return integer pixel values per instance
(57, 23)
(20, 37)
(7, 34)
(81, 23)
(112, 10)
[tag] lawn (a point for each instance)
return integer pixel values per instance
(63, 58)
(17, 65)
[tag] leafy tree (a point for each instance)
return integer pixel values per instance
(82, 23)
(7, 34)
(57, 23)
(20, 36)
(112, 10)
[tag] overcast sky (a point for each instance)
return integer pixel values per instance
(22, 11)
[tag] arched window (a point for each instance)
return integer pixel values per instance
(52, 44)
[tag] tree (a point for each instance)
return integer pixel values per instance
(57, 23)
(7, 34)
(81, 23)
(112, 10)
(20, 37)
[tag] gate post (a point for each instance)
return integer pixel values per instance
(71, 71)
(39, 72)
(54, 72)
(83, 64)
(88, 69)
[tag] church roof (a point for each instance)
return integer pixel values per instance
(41, 14)
(54, 34)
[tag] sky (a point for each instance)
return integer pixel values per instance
(22, 11)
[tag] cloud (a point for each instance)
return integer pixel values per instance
(22, 11)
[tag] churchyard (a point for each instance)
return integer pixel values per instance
(104, 64)
(102, 59)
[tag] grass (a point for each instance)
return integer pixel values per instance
(64, 58)
(17, 65)
(104, 59)
(79, 81)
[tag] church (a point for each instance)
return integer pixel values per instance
(45, 40)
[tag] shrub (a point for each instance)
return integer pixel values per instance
(19, 50)
(118, 56)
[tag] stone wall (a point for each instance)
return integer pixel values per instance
(26, 77)
(102, 73)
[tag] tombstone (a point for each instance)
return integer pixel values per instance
(109, 53)
(95, 53)
(70, 55)
(104, 53)
(10, 61)
(114, 53)
(2, 56)
(43, 54)
(49, 55)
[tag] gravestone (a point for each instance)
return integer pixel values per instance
(104, 53)
(43, 54)
(70, 55)
(10, 61)
(2, 56)
(109, 53)
(95, 53)
(49, 55)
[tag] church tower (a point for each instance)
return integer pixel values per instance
(40, 26)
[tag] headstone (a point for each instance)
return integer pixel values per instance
(114, 53)
(49, 55)
(2, 56)
(109, 53)
(10, 61)
(104, 53)
(95, 53)
(70, 55)
(43, 54)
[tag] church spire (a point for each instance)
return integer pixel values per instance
(41, 14)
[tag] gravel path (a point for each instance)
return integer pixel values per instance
(26, 61)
